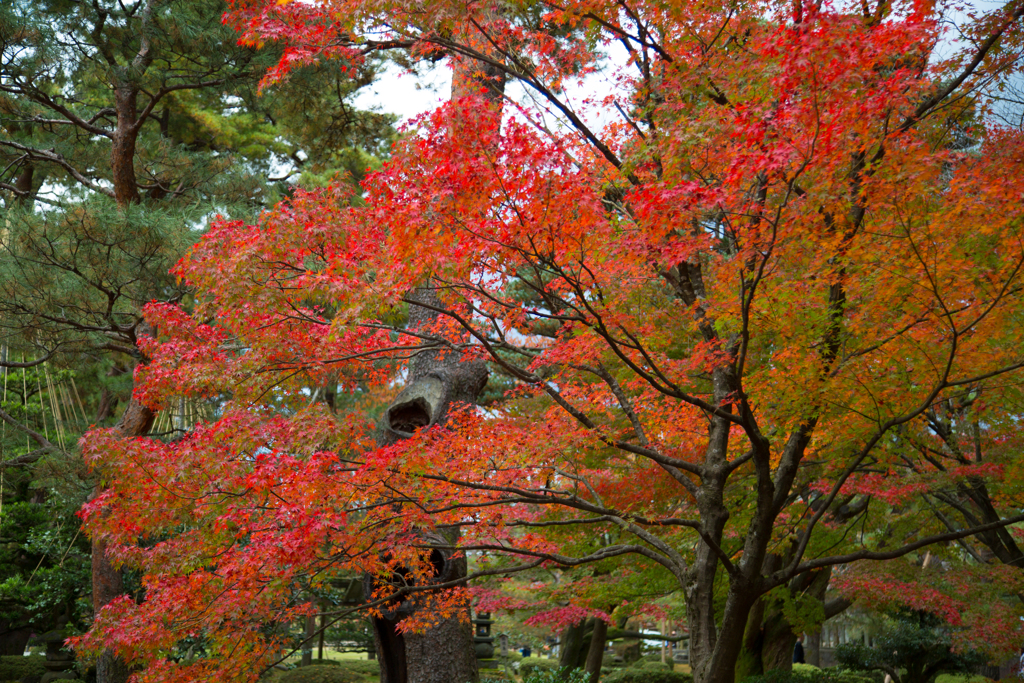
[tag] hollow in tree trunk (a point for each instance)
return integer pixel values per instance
(438, 383)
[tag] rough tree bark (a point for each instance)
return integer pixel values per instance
(122, 149)
(595, 653)
(137, 419)
(307, 644)
(812, 648)
(770, 638)
(107, 582)
(779, 636)
(438, 383)
(572, 645)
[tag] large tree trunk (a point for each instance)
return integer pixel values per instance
(719, 652)
(438, 383)
(107, 582)
(779, 636)
(716, 638)
(307, 643)
(572, 645)
(714, 649)
(137, 419)
(812, 648)
(770, 638)
(446, 653)
(595, 653)
(122, 150)
(778, 643)
(750, 662)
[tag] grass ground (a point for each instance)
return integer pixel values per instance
(684, 668)
(328, 654)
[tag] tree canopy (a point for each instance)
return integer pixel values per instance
(732, 325)
(124, 127)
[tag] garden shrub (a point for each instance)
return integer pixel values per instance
(653, 664)
(808, 673)
(16, 667)
(320, 673)
(557, 674)
(629, 650)
(534, 664)
(917, 644)
(842, 676)
(366, 667)
(608, 661)
(657, 674)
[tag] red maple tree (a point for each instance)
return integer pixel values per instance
(718, 321)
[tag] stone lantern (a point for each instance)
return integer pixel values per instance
(484, 641)
(60, 663)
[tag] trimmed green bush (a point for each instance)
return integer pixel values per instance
(494, 675)
(16, 667)
(320, 673)
(652, 664)
(647, 675)
(366, 667)
(531, 665)
(557, 675)
(807, 673)
(918, 645)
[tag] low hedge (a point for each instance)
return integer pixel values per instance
(657, 674)
(532, 665)
(557, 675)
(366, 667)
(807, 673)
(16, 667)
(653, 664)
(321, 673)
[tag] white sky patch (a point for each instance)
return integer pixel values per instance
(406, 94)
(399, 91)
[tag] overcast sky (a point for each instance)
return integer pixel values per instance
(408, 95)
(399, 92)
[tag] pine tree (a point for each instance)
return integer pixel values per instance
(124, 127)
